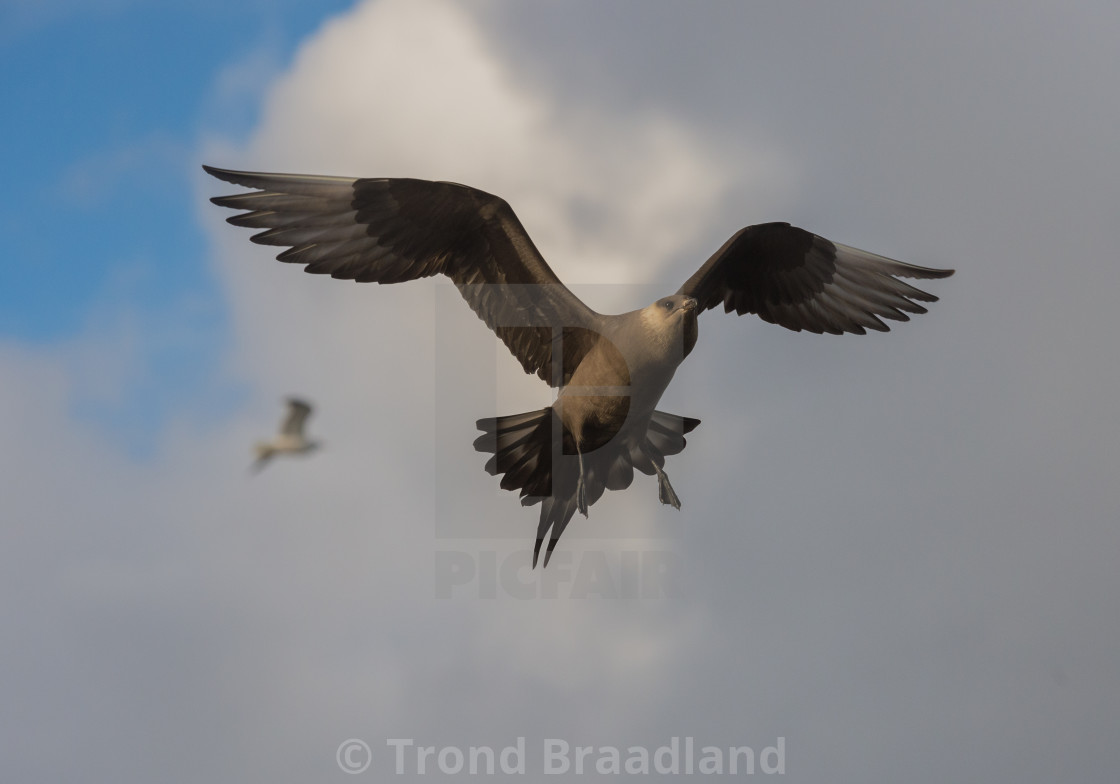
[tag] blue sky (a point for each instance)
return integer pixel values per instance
(105, 107)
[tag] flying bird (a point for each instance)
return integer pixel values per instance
(611, 370)
(291, 439)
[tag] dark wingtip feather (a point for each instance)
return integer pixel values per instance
(227, 175)
(914, 271)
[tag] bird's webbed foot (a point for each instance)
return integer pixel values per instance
(665, 492)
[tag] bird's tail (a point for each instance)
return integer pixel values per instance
(536, 456)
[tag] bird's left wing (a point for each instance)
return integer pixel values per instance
(298, 412)
(393, 230)
(801, 281)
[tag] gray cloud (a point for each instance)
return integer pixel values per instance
(895, 551)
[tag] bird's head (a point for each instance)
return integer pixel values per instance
(671, 322)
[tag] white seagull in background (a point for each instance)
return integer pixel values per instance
(291, 439)
(611, 370)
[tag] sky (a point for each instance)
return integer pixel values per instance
(895, 558)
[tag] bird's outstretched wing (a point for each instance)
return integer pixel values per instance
(393, 230)
(298, 412)
(800, 280)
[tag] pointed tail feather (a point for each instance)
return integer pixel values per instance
(555, 515)
(524, 453)
(532, 453)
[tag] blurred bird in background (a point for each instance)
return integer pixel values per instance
(291, 439)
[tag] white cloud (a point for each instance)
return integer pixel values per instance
(414, 89)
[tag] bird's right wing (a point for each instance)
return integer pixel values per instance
(801, 281)
(393, 230)
(298, 412)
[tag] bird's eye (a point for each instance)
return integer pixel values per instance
(667, 304)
